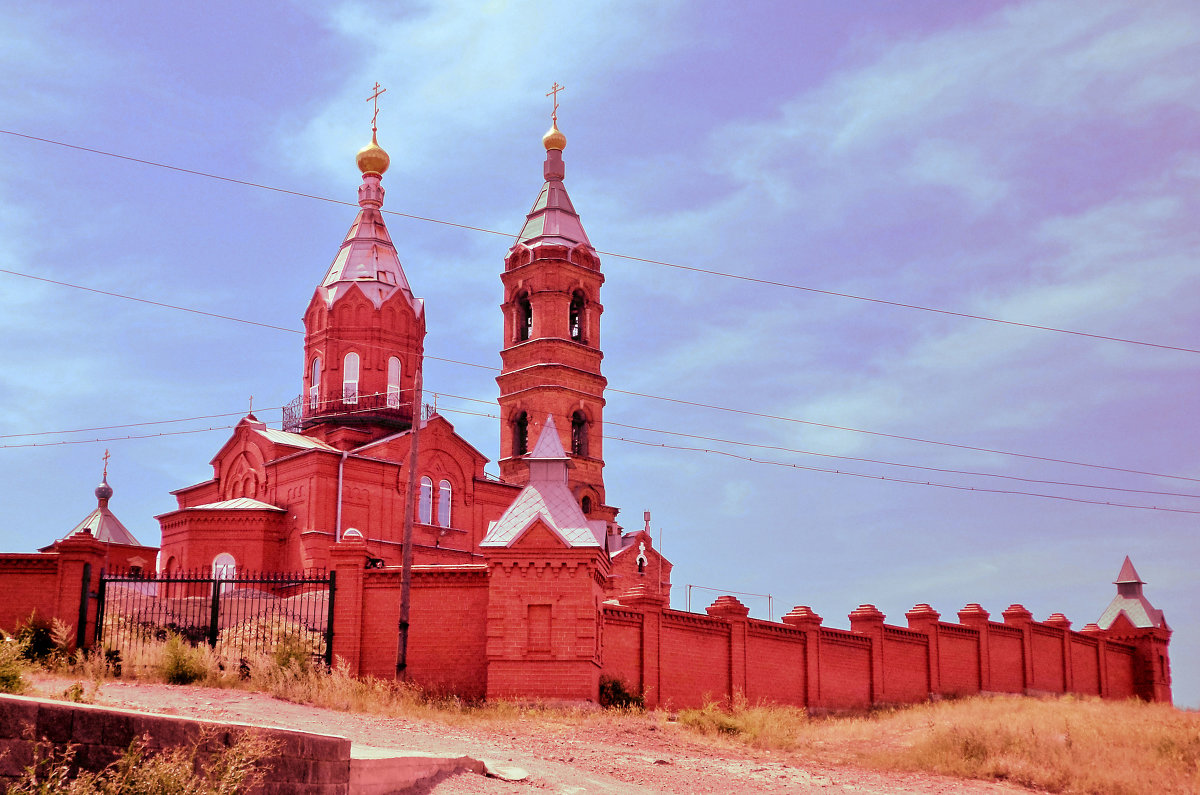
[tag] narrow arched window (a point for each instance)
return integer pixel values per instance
(393, 385)
(520, 428)
(524, 318)
(314, 384)
(586, 505)
(350, 378)
(579, 441)
(575, 321)
(425, 505)
(443, 514)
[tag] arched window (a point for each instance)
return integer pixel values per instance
(314, 384)
(224, 567)
(350, 378)
(586, 505)
(524, 318)
(425, 505)
(393, 386)
(520, 428)
(443, 514)
(575, 321)
(579, 440)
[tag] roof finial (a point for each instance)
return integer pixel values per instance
(104, 491)
(553, 139)
(371, 158)
(375, 99)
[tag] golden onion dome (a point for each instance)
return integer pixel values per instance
(554, 139)
(372, 159)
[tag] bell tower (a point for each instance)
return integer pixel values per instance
(364, 331)
(551, 349)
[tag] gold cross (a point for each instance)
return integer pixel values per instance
(375, 98)
(106, 457)
(554, 90)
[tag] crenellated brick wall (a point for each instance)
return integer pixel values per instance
(681, 659)
(531, 623)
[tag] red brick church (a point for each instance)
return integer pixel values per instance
(525, 586)
(279, 499)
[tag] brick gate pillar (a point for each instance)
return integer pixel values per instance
(348, 558)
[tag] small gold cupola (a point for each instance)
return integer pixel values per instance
(372, 159)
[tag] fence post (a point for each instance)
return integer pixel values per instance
(98, 635)
(215, 615)
(84, 595)
(329, 621)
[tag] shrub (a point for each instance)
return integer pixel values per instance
(614, 694)
(13, 665)
(231, 769)
(36, 634)
(182, 664)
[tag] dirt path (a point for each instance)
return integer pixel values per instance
(602, 759)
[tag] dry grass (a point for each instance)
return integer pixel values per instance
(1055, 744)
(1059, 745)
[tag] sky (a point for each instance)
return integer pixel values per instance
(1034, 162)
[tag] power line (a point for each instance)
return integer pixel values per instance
(946, 470)
(678, 401)
(661, 445)
(905, 438)
(630, 257)
(863, 475)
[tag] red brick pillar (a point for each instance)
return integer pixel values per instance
(78, 555)
(804, 619)
(923, 618)
(974, 616)
(733, 611)
(651, 607)
(1093, 631)
(348, 558)
(867, 620)
(1017, 616)
(1063, 625)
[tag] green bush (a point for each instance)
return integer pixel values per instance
(182, 664)
(293, 651)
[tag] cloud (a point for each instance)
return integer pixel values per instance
(458, 73)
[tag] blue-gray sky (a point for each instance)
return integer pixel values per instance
(1032, 161)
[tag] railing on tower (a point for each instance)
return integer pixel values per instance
(303, 411)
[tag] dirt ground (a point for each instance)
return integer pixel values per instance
(601, 758)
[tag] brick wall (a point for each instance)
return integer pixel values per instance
(694, 660)
(28, 583)
(775, 665)
(905, 661)
(685, 659)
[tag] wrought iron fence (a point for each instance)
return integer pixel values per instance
(236, 616)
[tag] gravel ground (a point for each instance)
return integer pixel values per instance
(603, 759)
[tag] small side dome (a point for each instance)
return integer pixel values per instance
(104, 491)
(372, 159)
(554, 139)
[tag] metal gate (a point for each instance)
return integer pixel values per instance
(236, 615)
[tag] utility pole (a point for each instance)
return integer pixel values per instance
(411, 505)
